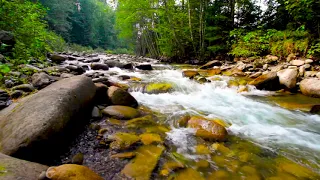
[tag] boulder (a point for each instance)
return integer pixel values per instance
(121, 112)
(40, 80)
(101, 96)
(35, 125)
(98, 66)
(13, 169)
(310, 87)
(122, 141)
(71, 172)
(207, 129)
(119, 96)
(77, 70)
(297, 62)
(113, 63)
(24, 87)
(144, 67)
(56, 58)
(190, 73)
(268, 81)
(16, 94)
(211, 64)
(302, 70)
(288, 77)
(308, 61)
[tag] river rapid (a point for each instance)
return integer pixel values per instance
(266, 140)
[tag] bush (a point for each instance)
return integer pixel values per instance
(279, 43)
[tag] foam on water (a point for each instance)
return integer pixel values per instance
(263, 123)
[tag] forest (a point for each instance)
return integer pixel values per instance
(170, 29)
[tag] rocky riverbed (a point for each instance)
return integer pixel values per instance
(127, 117)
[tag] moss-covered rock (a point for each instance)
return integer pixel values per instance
(183, 121)
(170, 166)
(207, 129)
(121, 112)
(299, 171)
(123, 140)
(202, 149)
(149, 138)
(142, 165)
(189, 174)
(156, 88)
(140, 122)
(119, 96)
(219, 175)
(210, 72)
(71, 172)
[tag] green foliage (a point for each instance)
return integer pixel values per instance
(271, 41)
(315, 49)
(25, 20)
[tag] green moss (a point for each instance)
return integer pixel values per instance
(123, 140)
(3, 170)
(159, 88)
(140, 122)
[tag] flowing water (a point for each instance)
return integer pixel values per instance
(262, 133)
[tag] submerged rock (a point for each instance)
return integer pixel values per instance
(13, 169)
(269, 81)
(140, 122)
(149, 138)
(208, 129)
(123, 141)
(119, 96)
(71, 172)
(144, 67)
(310, 87)
(121, 112)
(34, 124)
(189, 174)
(143, 164)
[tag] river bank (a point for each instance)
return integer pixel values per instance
(182, 116)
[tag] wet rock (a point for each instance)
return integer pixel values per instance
(126, 66)
(77, 159)
(207, 129)
(189, 174)
(265, 67)
(310, 87)
(288, 77)
(143, 164)
(297, 62)
(302, 70)
(14, 169)
(202, 149)
(35, 123)
(268, 81)
(121, 112)
(123, 77)
(170, 166)
(103, 80)
(140, 122)
(113, 63)
(149, 138)
(16, 94)
(77, 70)
(211, 64)
(40, 80)
(290, 167)
(156, 88)
(95, 112)
(91, 60)
(24, 87)
(66, 75)
(98, 66)
(277, 68)
(190, 73)
(144, 67)
(255, 75)
(56, 58)
(4, 99)
(307, 66)
(126, 155)
(119, 96)
(71, 172)
(122, 141)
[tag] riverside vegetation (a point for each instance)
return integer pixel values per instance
(215, 90)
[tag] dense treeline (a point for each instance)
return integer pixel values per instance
(203, 29)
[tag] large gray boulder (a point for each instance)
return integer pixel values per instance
(13, 169)
(288, 77)
(310, 87)
(35, 125)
